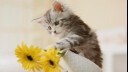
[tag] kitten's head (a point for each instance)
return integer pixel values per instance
(55, 20)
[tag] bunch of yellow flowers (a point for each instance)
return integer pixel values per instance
(35, 59)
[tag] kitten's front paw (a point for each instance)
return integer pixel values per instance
(59, 46)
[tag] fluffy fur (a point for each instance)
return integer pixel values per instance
(74, 34)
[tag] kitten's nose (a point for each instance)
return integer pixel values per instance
(54, 31)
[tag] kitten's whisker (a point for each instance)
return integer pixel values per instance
(36, 19)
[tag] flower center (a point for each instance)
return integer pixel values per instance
(51, 62)
(30, 58)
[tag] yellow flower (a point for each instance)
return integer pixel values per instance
(51, 60)
(29, 57)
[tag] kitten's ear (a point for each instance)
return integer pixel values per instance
(58, 6)
(38, 20)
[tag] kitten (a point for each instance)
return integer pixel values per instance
(72, 31)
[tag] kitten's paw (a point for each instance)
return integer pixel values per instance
(59, 46)
(56, 46)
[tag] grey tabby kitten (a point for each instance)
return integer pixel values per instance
(74, 34)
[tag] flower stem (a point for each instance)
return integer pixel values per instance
(62, 53)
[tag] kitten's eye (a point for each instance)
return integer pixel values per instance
(49, 28)
(56, 23)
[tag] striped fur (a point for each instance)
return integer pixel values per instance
(74, 34)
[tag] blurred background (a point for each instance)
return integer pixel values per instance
(107, 17)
